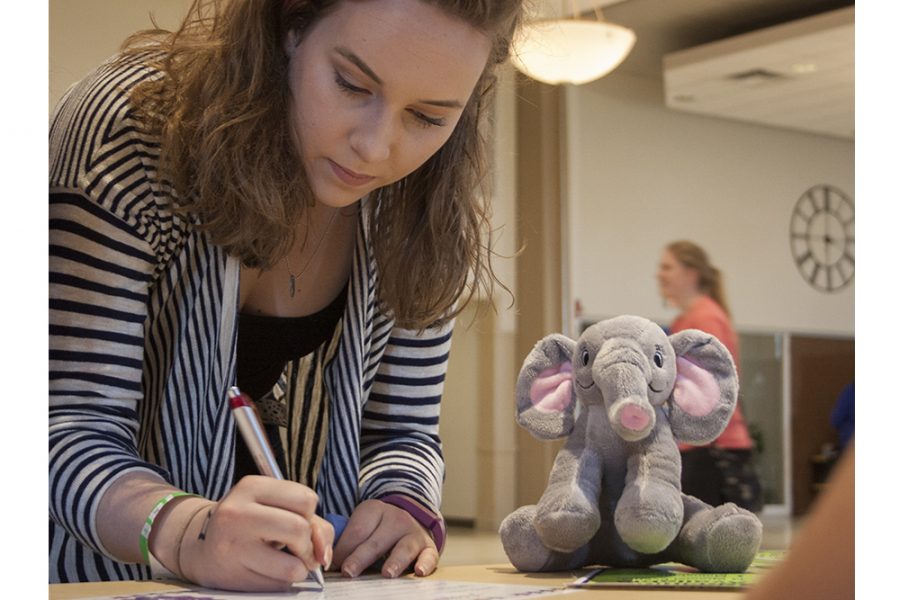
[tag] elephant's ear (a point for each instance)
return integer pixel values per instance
(545, 399)
(706, 387)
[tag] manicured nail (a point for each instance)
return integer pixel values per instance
(420, 570)
(349, 570)
(328, 558)
(391, 571)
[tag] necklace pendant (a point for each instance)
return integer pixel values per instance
(293, 288)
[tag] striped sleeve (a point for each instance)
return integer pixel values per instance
(400, 450)
(101, 264)
(99, 273)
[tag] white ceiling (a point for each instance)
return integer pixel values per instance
(797, 75)
(709, 42)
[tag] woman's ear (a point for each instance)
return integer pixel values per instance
(291, 41)
(706, 387)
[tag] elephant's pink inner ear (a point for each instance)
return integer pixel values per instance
(551, 390)
(696, 390)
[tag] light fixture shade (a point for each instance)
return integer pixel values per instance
(570, 51)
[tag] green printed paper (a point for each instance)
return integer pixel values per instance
(673, 575)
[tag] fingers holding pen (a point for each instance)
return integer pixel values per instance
(322, 540)
(244, 535)
(224, 550)
(307, 536)
(266, 563)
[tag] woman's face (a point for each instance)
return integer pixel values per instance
(378, 87)
(676, 281)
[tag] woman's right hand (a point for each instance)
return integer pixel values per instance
(237, 543)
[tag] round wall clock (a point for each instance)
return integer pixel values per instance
(822, 237)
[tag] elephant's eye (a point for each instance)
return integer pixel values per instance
(658, 358)
(585, 358)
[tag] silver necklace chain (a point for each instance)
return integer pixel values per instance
(292, 289)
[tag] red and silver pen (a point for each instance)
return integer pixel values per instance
(258, 444)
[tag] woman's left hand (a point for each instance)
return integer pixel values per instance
(377, 529)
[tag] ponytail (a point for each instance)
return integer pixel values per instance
(715, 288)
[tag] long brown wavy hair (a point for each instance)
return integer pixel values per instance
(221, 112)
(709, 281)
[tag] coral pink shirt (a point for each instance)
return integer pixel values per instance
(706, 315)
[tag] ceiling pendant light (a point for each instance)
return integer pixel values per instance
(572, 50)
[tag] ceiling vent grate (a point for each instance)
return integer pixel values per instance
(755, 75)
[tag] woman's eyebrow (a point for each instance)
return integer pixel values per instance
(352, 57)
(444, 103)
(362, 66)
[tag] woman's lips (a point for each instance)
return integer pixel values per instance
(349, 177)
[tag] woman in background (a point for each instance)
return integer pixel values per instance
(722, 471)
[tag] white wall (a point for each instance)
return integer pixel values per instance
(83, 33)
(477, 427)
(641, 175)
(459, 423)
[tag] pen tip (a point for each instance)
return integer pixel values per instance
(320, 579)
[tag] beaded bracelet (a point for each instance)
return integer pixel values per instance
(157, 569)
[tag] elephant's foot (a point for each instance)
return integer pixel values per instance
(566, 522)
(525, 549)
(723, 539)
(649, 516)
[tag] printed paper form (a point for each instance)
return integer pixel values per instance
(674, 575)
(369, 587)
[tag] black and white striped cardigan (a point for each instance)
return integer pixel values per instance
(143, 341)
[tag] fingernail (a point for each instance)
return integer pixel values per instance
(420, 570)
(328, 558)
(391, 571)
(349, 570)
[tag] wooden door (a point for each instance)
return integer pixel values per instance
(820, 368)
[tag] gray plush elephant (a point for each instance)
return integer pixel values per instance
(624, 393)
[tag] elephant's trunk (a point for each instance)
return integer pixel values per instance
(621, 374)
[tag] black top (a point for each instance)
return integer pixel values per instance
(265, 345)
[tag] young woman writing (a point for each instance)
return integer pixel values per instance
(282, 194)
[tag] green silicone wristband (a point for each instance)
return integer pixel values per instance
(148, 524)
